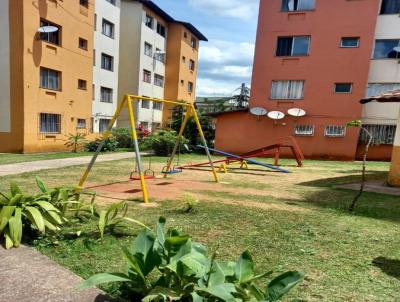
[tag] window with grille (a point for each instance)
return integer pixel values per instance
(157, 106)
(335, 131)
(293, 46)
(385, 49)
(50, 79)
(304, 130)
(381, 134)
(297, 5)
(287, 90)
(81, 123)
(53, 37)
(146, 76)
(107, 62)
(375, 89)
(108, 28)
(190, 87)
(103, 124)
(50, 123)
(158, 80)
(106, 95)
(148, 49)
(145, 104)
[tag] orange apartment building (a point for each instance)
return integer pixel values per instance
(320, 56)
(45, 77)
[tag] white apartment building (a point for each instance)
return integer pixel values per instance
(143, 48)
(106, 62)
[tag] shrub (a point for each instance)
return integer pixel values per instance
(75, 141)
(123, 136)
(110, 145)
(164, 265)
(162, 142)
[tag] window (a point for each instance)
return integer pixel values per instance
(107, 62)
(193, 42)
(82, 84)
(145, 125)
(95, 22)
(50, 79)
(184, 59)
(182, 82)
(53, 37)
(149, 21)
(304, 130)
(185, 35)
(192, 65)
(148, 49)
(111, 1)
(93, 92)
(103, 124)
(159, 55)
(157, 106)
(81, 123)
(50, 123)
(161, 30)
(83, 44)
(343, 87)
(108, 29)
(190, 87)
(146, 76)
(145, 104)
(158, 80)
(375, 89)
(106, 95)
(335, 131)
(381, 134)
(350, 42)
(94, 57)
(287, 90)
(296, 5)
(390, 7)
(385, 49)
(84, 3)
(293, 46)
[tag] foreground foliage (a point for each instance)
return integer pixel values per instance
(167, 266)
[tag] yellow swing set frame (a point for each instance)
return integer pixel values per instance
(127, 103)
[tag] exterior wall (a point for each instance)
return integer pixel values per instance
(74, 63)
(326, 65)
(110, 46)
(394, 174)
(5, 97)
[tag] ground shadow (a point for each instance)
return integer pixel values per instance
(390, 267)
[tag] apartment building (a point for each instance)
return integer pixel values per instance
(105, 63)
(45, 72)
(160, 58)
(317, 56)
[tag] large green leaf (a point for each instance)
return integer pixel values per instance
(36, 218)
(8, 241)
(103, 278)
(15, 189)
(161, 230)
(282, 284)
(217, 275)
(134, 263)
(15, 227)
(102, 222)
(47, 206)
(5, 215)
(244, 270)
(15, 200)
(42, 187)
(136, 222)
(221, 291)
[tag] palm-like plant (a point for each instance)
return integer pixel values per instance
(75, 141)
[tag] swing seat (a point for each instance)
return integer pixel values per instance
(174, 170)
(148, 174)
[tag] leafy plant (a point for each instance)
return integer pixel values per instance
(123, 136)
(162, 142)
(110, 145)
(75, 141)
(165, 265)
(190, 202)
(19, 211)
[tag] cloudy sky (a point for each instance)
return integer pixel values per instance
(230, 26)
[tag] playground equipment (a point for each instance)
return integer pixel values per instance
(274, 150)
(127, 103)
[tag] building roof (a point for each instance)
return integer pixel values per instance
(387, 97)
(215, 114)
(159, 11)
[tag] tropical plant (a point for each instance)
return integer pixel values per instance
(110, 145)
(189, 203)
(123, 136)
(165, 265)
(41, 212)
(75, 141)
(162, 142)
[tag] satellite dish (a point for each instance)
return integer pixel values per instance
(276, 115)
(258, 111)
(297, 112)
(397, 49)
(47, 29)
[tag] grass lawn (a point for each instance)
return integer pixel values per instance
(296, 221)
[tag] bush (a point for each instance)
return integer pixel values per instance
(110, 145)
(123, 136)
(162, 142)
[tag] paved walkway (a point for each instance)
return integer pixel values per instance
(26, 276)
(375, 186)
(18, 168)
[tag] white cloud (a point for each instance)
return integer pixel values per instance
(240, 9)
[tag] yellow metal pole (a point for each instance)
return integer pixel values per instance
(104, 136)
(203, 139)
(183, 126)
(137, 151)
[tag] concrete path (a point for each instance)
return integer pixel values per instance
(26, 276)
(375, 186)
(18, 168)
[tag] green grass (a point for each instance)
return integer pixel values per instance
(345, 257)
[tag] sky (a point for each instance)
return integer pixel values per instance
(226, 60)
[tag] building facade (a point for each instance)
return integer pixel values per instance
(316, 56)
(45, 76)
(105, 62)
